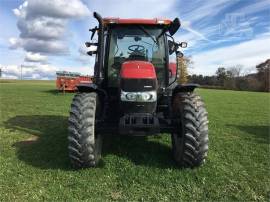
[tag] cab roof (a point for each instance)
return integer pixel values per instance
(139, 21)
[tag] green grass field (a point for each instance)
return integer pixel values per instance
(34, 164)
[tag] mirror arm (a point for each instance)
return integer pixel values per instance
(170, 37)
(88, 44)
(93, 30)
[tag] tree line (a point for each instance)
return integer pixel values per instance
(231, 78)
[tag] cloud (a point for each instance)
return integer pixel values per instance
(14, 43)
(83, 51)
(42, 28)
(202, 11)
(54, 9)
(196, 19)
(83, 57)
(35, 57)
(193, 36)
(54, 47)
(255, 7)
(248, 54)
(41, 71)
(42, 25)
(194, 32)
(29, 72)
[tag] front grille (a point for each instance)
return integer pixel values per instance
(134, 85)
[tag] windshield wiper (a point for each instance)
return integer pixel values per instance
(147, 33)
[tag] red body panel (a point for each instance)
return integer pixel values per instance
(138, 70)
(154, 21)
(172, 67)
(67, 83)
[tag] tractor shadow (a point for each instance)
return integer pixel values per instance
(261, 134)
(57, 92)
(46, 146)
(145, 151)
(52, 91)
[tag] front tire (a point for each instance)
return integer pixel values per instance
(84, 145)
(190, 142)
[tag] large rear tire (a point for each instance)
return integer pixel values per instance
(190, 142)
(84, 145)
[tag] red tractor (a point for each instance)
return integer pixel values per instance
(135, 92)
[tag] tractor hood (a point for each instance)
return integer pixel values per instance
(138, 87)
(138, 70)
(138, 76)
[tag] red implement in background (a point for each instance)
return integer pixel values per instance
(67, 81)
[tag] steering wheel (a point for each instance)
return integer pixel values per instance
(136, 48)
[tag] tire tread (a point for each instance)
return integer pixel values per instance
(190, 144)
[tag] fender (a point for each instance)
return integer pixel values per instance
(189, 87)
(91, 87)
(87, 87)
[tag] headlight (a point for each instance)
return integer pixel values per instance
(149, 96)
(146, 96)
(131, 96)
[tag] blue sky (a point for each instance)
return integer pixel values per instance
(48, 35)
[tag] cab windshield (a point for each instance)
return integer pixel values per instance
(136, 43)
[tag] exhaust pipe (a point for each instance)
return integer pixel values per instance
(99, 65)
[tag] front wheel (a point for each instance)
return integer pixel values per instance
(190, 141)
(84, 144)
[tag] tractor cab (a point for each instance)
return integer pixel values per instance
(135, 42)
(143, 40)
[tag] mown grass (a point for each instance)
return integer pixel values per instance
(34, 163)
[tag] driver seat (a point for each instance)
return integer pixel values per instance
(137, 55)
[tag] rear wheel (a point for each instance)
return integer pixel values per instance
(190, 142)
(84, 144)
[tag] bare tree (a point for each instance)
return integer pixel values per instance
(235, 71)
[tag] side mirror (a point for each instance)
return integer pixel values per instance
(173, 47)
(92, 48)
(174, 26)
(90, 53)
(183, 44)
